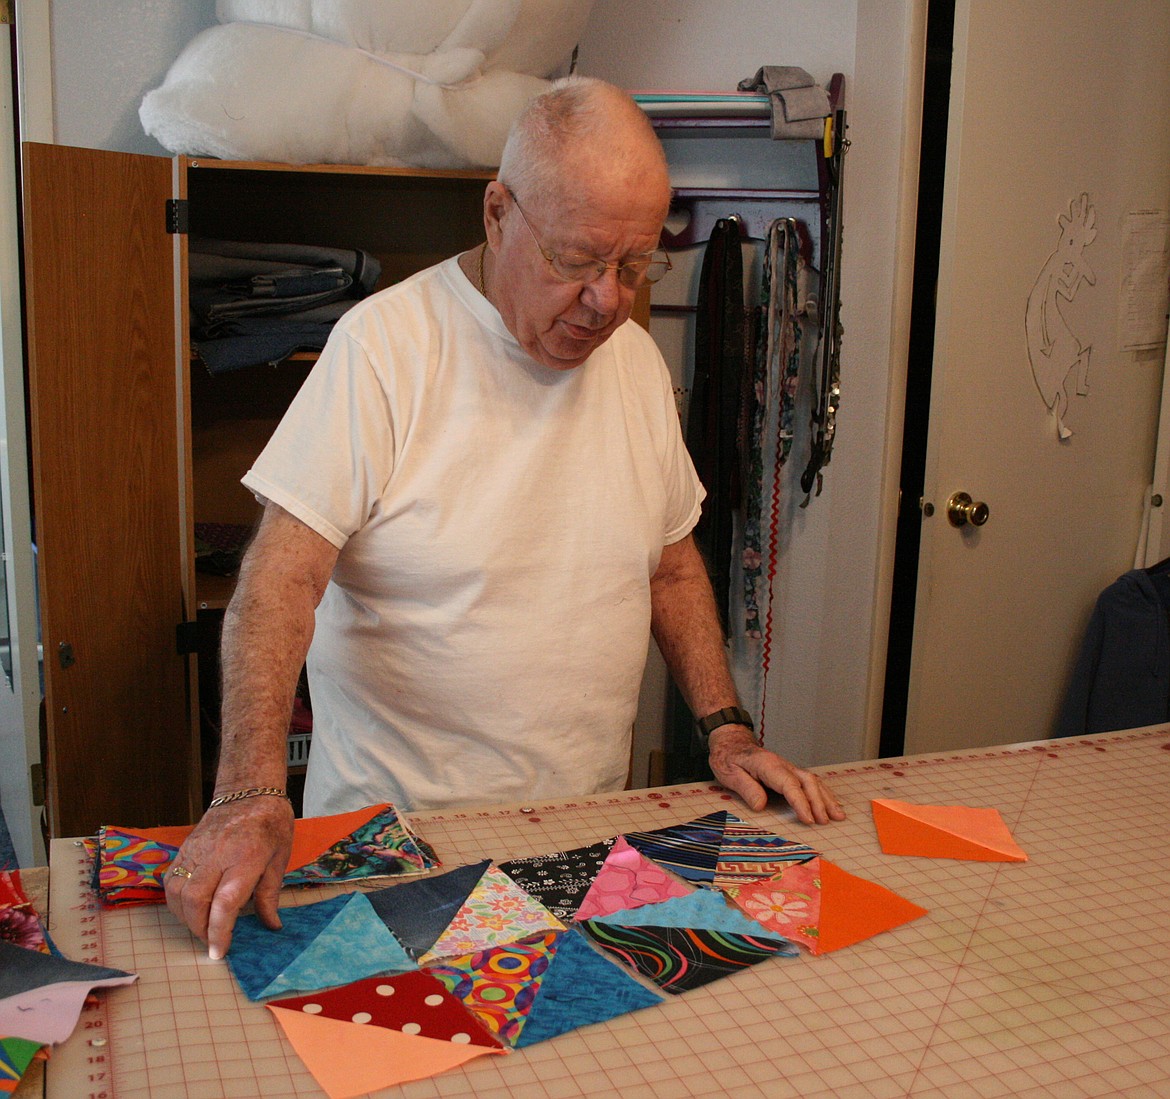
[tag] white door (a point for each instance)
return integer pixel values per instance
(20, 690)
(1058, 149)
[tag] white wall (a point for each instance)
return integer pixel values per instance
(107, 56)
(832, 589)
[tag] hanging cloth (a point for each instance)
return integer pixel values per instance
(713, 415)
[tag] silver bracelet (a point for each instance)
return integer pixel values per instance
(252, 792)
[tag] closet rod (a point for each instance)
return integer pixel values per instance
(752, 194)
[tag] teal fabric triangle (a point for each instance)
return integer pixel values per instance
(258, 955)
(702, 908)
(581, 987)
(355, 944)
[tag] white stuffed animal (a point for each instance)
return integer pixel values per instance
(382, 82)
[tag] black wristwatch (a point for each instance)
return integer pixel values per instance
(729, 715)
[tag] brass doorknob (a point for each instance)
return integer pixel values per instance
(961, 510)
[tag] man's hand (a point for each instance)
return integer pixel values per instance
(750, 771)
(236, 852)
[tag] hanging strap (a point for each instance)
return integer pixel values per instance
(771, 414)
(771, 417)
(827, 395)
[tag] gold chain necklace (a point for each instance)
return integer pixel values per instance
(482, 284)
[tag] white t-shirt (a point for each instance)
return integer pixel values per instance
(484, 633)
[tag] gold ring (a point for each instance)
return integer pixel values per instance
(180, 872)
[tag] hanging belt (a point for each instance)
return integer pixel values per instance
(827, 397)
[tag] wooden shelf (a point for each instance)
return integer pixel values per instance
(213, 592)
(429, 174)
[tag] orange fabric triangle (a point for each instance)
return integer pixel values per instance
(313, 836)
(853, 909)
(174, 834)
(944, 832)
(349, 1059)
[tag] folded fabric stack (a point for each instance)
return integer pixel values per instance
(41, 992)
(259, 303)
(799, 104)
(374, 842)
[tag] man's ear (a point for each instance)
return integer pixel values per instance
(495, 205)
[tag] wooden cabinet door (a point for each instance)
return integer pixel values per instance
(107, 401)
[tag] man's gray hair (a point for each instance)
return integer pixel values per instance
(574, 111)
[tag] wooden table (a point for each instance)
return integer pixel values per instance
(1026, 979)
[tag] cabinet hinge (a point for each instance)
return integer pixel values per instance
(36, 781)
(177, 215)
(187, 638)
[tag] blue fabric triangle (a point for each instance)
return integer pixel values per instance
(354, 945)
(579, 988)
(257, 955)
(702, 908)
(418, 912)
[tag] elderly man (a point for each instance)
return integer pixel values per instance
(475, 509)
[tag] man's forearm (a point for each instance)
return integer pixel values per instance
(686, 626)
(266, 634)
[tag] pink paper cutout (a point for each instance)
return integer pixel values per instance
(628, 880)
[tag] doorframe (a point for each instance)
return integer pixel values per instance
(34, 70)
(25, 65)
(919, 369)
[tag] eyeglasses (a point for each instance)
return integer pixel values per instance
(572, 267)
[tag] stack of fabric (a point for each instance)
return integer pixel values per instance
(259, 303)
(41, 992)
(129, 864)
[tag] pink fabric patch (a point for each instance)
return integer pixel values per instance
(789, 904)
(628, 880)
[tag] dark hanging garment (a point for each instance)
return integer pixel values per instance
(713, 424)
(716, 389)
(1121, 679)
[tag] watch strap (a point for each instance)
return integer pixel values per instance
(729, 715)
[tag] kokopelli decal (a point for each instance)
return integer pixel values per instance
(1053, 348)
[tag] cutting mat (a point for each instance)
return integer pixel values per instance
(1027, 979)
